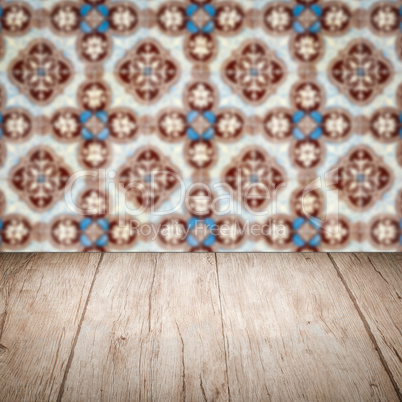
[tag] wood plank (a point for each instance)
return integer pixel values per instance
(41, 303)
(375, 282)
(152, 331)
(293, 333)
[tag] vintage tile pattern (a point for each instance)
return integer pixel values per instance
(124, 124)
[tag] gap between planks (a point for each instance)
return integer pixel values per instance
(344, 282)
(293, 332)
(42, 297)
(179, 354)
(366, 323)
(77, 334)
(333, 263)
(223, 327)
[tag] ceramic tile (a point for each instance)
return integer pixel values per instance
(192, 125)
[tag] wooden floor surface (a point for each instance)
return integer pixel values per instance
(200, 327)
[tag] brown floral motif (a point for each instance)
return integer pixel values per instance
(40, 178)
(94, 125)
(362, 178)
(337, 125)
(200, 229)
(307, 153)
(229, 18)
(307, 203)
(94, 154)
(148, 177)
(254, 72)
(229, 125)
(333, 234)
(278, 124)
(179, 232)
(201, 96)
(171, 18)
(307, 96)
(277, 232)
(307, 22)
(278, 18)
(361, 72)
(307, 126)
(308, 228)
(331, 17)
(15, 20)
(385, 125)
(93, 201)
(307, 47)
(16, 125)
(172, 125)
(65, 124)
(41, 72)
(254, 176)
(231, 232)
(123, 125)
(384, 18)
(65, 17)
(16, 232)
(123, 18)
(200, 154)
(199, 200)
(120, 18)
(147, 72)
(201, 124)
(173, 232)
(336, 232)
(201, 22)
(94, 23)
(65, 232)
(94, 229)
(94, 95)
(94, 47)
(336, 18)
(385, 232)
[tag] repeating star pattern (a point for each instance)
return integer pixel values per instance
(200, 125)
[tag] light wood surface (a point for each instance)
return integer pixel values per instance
(374, 281)
(292, 332)
(196, 327)
(42, 300)
(152, 331)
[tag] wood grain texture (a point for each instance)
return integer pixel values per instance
(41, 303)
(293, 333)
(375, 283)
(152, 331)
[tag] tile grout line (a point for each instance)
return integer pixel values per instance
(223, 328)
(71, 356)
(367, 327)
